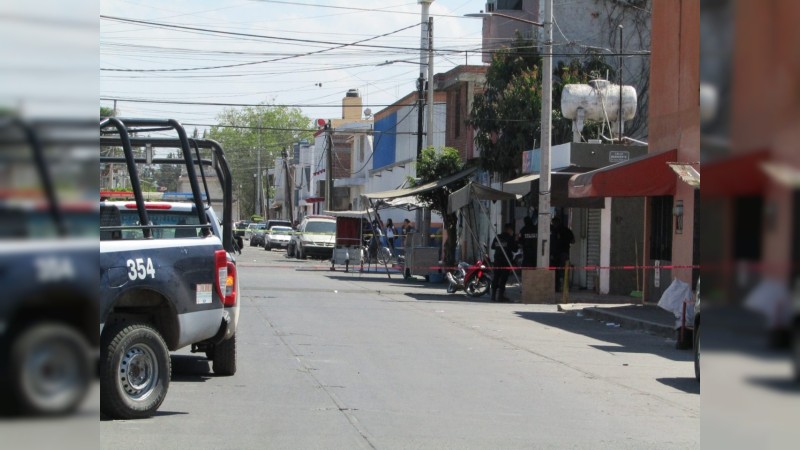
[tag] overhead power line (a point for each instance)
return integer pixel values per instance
(266, 60)
(246, 35)
(179, 102)
(350, 8)
(313, 41)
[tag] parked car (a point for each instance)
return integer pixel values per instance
(277, 237)
(315, 236)
(260, 235)
(278, 222)
(252, 232)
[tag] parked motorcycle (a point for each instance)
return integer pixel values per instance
(475, 279)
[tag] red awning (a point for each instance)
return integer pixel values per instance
(736, 176)
(645, 176)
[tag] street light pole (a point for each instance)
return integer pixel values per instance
(543, 228)
(429, 112)
(543, 258)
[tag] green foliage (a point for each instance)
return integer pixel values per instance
(105, 111)
(434, 165)
(167, 175)
(241, 144)
(507, 116)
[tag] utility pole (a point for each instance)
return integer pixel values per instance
(429, 132)
(425, 59)
(543, 229)
(258, 181)
(619, 118)
(329, 168)
(420, 111)
(266, 204)
(288, 185)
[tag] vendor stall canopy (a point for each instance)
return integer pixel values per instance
(475, 191)
(412, 192)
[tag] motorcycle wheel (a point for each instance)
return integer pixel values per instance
(477, 287)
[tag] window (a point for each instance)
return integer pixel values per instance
(661, 228)
(320, 227)
(506, 5)
(166, 217)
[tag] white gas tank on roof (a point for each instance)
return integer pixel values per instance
(599, 99)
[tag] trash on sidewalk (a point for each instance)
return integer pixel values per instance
(673, 300)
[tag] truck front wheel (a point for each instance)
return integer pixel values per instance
(50, 369)
(135, 371)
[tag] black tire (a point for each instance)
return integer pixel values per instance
(224, 357)
(50, 370)
(697, 353)
(135, 370)
(478, 287)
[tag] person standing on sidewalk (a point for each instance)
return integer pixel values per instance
(561, 238)
(503, 245)
(527, 240)
(391, 234)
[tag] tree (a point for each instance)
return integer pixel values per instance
(433, 166)
(507, 116)
(167, 175)
(105, 111)
(242, 131)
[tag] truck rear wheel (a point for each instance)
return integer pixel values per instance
(135, 370)
(223, 358)
(50, 369)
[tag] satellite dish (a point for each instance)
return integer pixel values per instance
(367, 112)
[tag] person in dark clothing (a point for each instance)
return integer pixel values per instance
(527, 240)
(561, 238)
(503, 245)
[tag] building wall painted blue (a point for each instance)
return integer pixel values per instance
(385, 141)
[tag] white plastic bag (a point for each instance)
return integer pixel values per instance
(772, 299)
(673, 299)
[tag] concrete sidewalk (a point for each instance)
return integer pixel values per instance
(646, 317)
(626, 311)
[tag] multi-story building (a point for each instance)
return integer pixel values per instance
(461, 85)
(583, 28)
(395, 141)
(306, 169)
(670, 200)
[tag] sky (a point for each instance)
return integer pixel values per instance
(279, 52)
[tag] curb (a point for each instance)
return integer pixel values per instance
(630, 323)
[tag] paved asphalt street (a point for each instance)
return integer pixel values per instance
(345, 360)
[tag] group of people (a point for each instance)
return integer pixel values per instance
(507, 243)
(395, 237)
